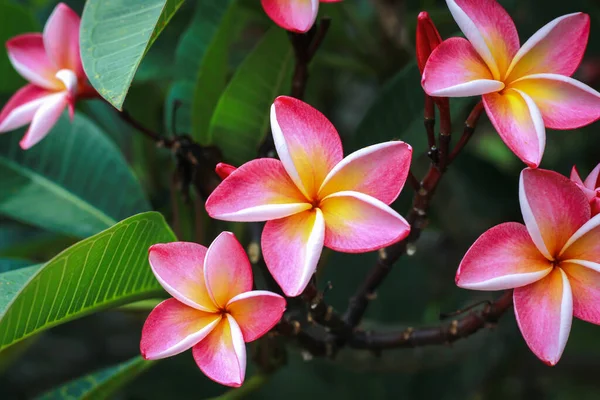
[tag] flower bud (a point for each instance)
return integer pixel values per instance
(224, 170)
(428, 38)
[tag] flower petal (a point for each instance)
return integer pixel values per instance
(490, 29)
(379, 171)
(44, 119)
(589, 192)
(454, 69)
(227, 270)
(179, 268)
(564, 102)
(553, 208)
(292, 247)
(27, 54)
(293, 15)
(593, 179)
(544, 312)
(519, 123)
(259, 190)
(61, 39)
(585, 284)
(222, 354)
(256, 312)
(172, 327)
(585, 243)
(557, 48)
(356, 223)
(504, 257)
(306, 142)
(21, 107)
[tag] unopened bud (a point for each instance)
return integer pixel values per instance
(428, 38)
(224, 170)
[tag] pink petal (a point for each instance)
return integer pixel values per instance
(557, 48)
(454, 69)
(44, 119)
(589, 185)
(356, 223)
(519, 123)
(222, 354)
(307, 143)
(293, 15)
(27, 54)
(585, 284)
(379, 171)
(292, 247)
(504, 257)
(224, 170)
(584, 245)
(227, 270)
(179, 268)
(259, 190)
(61, 39)
(595, 204)
(553, 208)
(490, 29)
(544, 311)
(564, 102)
(172, 327)
(21, 107)
(592, 181)
(256, 312)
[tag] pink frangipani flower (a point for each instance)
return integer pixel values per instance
(52, 65)
(314, 197)
(525, 88)
(552, 262)
(591, 187)
(294, 15)
(214, 310)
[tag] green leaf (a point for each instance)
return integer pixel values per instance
(14, 20)
(75, 181)
(241, 119)
(115, 35)
(106, 270)
(101, 384)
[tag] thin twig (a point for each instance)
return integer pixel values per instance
(468, 131)
(158, 139)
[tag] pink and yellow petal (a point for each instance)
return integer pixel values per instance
(27, 55)
(256, 312)
(21, 107)
(44, 119)
(172, 327)
(544, 312)
(292, 247)
(356, 223)
(61, 39)
(259, 190)
(585, 285)
(585, 243)
(293, 15)
(502, 258)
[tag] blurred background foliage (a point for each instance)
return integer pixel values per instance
(230, 65)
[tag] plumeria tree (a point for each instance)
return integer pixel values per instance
(301, 213)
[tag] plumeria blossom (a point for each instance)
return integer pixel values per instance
(314, 197)
(591, 187)
(214, 310)
(52, 65)
(294, 15)
(552, 262)
(525, 88)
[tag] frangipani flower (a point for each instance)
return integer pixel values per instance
(294, 15)
(553, 262)
(525, 88)
(591, 187)
(214, 309)
(312, 197)
(52, 65)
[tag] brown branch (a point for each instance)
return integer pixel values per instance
(429, 121)
(468, 131)
(158, 139)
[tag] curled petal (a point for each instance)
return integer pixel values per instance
(21, 107)
(224, 170)
(504, 257)
(544, 312)
(61, 39)
(179, 268)
(428, 38)
(172, 327)
(356, 223)
(293, 15)
(292, 247)
(256, 312)
(593, 179)
(519, 123)
(222, 354)
(227, 270)
(589, 192)
(27, 54)
(259, 190)
(585, 243)
(454, 69)
(44, 119)
(585, 285)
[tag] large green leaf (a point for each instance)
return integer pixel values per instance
(100, 384)
(75, 181)
(105, 270)
(115, 36)
(241, 118)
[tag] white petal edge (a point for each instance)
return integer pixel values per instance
(585, 228)
(473, 88)
(507, 281)
(265, 212)
(566, 315)
(587, 264)
(239, 345)
(252, 294)
(530, 222)
(21, 115)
